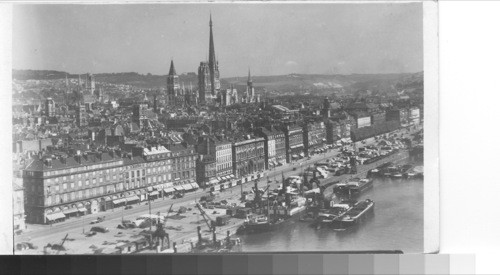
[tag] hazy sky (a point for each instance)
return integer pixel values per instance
(271, 39)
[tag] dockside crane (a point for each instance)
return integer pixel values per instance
(160, 233)
(210, 223)
(59, 247)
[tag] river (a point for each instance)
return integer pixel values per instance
(397, 225)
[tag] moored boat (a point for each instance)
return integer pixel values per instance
(354, 215)
(353, 187)
(260, 225)
(327, 216)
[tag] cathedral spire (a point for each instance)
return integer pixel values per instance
(172, 68)
(249, 77)
(211, 50)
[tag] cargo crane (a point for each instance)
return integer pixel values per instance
(257, 201)
(59, 247)
(160, 233)
(210, 224)
(314, 180)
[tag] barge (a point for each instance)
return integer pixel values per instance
(354, 187)
(259, 225)
(327, 216)
(354, 215)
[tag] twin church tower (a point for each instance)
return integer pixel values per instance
(209, 87)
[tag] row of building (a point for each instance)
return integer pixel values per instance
(66, 181)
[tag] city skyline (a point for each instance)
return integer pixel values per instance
(382, 38)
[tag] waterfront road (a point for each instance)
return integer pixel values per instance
(113, 217)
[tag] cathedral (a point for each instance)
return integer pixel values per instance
(208, 76)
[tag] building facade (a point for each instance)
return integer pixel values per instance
(57, 188)
(158, 176)
(183, 159)
(333, 131)
(220, 150)
(274, 146)
(205, 170)
(248, 156)
(314, 136)
(224, 158)
(294, 142)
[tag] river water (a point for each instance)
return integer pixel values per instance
(397, 225)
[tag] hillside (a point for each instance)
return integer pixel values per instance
(292, 82)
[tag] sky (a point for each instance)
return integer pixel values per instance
(270, 39)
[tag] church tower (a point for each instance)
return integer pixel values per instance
(250, 89)
(173, 85)
(208, 74)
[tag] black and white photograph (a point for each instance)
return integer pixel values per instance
(224, 128)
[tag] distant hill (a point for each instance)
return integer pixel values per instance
(291, 82)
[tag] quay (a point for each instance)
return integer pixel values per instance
(182, 228)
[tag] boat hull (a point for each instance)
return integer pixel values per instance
(259, 228)
(344, 223)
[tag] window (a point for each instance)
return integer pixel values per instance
(87, 182)
(87, 192)
(72, 196)
(65, 186)
(94, 181)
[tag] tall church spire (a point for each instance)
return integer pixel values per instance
(249, 77)
(172, 68)
(211, 50)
